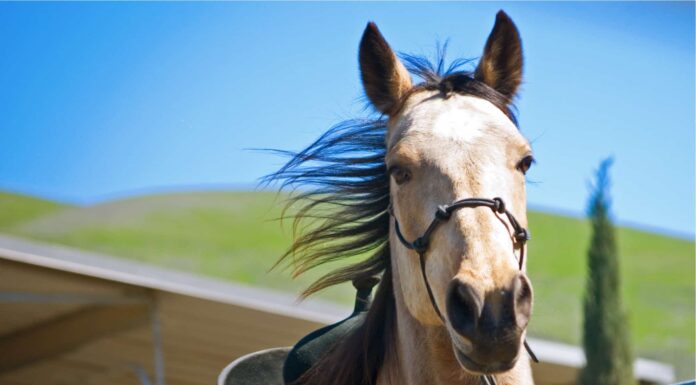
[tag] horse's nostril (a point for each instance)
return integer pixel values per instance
(522, 291)
(464, 307)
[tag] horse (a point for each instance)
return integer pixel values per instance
(429, 196)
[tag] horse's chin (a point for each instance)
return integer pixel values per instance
(474, 367)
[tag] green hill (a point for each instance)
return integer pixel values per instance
(232, 235)
(16, 208)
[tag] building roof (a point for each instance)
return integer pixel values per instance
(205, 323)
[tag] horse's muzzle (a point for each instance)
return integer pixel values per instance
(488, 328)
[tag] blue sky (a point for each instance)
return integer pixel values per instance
(103, 100)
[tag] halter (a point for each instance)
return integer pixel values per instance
(443, 214)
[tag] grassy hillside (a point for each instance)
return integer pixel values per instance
(15, 208)
(232, 235)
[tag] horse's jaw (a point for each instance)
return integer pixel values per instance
(462, 349)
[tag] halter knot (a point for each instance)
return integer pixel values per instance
(442, 213)
(420, 245)
(522, 235)
(499, 205)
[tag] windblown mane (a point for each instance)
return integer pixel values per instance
(342, 189)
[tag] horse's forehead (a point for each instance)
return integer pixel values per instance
(459, 119)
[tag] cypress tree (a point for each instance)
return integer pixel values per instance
(605, 329)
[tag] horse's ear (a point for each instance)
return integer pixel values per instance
(384, 77)
(501, 64)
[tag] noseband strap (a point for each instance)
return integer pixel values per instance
(444, 212)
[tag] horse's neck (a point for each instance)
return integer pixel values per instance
(421, 355)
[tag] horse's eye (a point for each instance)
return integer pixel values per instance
(525, 163)
(401, 175)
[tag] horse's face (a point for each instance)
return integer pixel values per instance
(442, 148)
(440, 151)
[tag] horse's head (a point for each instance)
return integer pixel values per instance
(451, 138)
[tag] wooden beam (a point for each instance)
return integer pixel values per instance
(67, 332)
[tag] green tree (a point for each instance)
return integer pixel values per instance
(605, 330)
